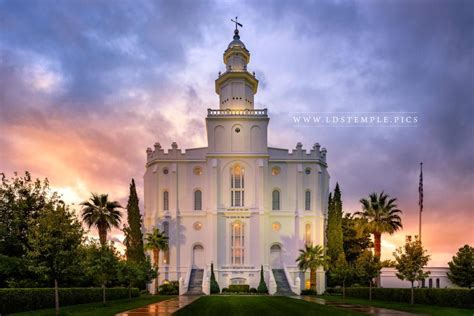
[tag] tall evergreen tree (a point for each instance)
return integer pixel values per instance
(334, 228)
(461, 269)
(134, 235)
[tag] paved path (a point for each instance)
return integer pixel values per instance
(370, 310)
(163, 308)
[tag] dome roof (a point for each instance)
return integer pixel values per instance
(236, 41)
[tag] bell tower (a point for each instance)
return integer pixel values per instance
(236, 87)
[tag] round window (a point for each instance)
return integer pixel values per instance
(197, 225)
(165, 170)
(237, 130)
(276, 171)
(197, 171)
(307, 171)
(276, 226)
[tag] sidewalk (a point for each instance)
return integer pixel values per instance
(370, 310)
(163, 308)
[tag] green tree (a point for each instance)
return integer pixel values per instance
(131, 273)
(410, 261)
(214, 285)
(462, 267)
(334, 226)
(22, 200)
(156, 241)
(312, 257)
(368, 267)
(101, 213)
(341, 271)
(54, 240)
(262, 286)
(134, 236)
(355, 242)
(102, 265)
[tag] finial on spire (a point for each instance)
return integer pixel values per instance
(236, 31)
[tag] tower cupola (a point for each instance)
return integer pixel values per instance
(236, 87)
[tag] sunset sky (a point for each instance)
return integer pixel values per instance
(87, 86)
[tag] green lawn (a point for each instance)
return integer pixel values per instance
(417, 309)
(92, 309)
(258, 306)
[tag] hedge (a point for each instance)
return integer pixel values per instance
(239, 288)
(441, 297)
(20, 300)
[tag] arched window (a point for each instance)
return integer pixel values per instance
(237, 244)
(275, 200)
(437, 283)
(166, 201)
(197, 200)
(430, 282)
(308, 234)
(237, 185)
(307, 200)
(166, 232)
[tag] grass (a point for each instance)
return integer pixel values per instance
(257, 306)
(92, 309)
(417, 309)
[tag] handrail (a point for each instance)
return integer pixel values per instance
(272, 283)
(236, 112)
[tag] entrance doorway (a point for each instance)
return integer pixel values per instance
(198, 257)
(275, 256)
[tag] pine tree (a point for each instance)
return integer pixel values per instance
(214, 285)
(462, 267)
(134, 236)
(334, 228)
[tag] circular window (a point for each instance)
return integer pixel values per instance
(197, 225)
(197, 171)
(276, 171)
(237, 130)
(165, 170)
(307, 171)
(276, 226)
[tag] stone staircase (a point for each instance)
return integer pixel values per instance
(283, 287)
(195, 282)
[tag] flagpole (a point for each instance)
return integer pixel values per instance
(420, 197)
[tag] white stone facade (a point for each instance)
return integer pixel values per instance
(438, 278)
(237, 203)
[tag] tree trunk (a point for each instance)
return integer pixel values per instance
(370, 290)
(343, 289)
(56, 296)
(378, 252)
(312, 279)
(102, 235)
(103, 293)
(156, 258)
(412, 299)
(129, 291)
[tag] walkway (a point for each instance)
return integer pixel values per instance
(163, 308)
(370, 310)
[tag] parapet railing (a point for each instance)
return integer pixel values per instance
(234, 112)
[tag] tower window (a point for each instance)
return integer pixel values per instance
(197, 200)
(307, 200)
(237, 244)
(308, 234)
(275, 200)
(237, 186)
(307, 171)
(166, 232)
(166, 205)
(237, 130)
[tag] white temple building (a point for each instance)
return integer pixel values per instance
(236, 203)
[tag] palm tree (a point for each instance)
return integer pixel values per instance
(380, 215)
(100, 212)
(312, 257)
(156, 241)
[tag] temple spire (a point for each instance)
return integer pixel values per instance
(236, 31)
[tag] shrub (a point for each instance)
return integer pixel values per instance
(237, 288)
(441, 297)
(225, 290)
(308, 292)
(253, 290)
(333, 291)
(262, 286)
(171, 288)
(214, 285)
(18, 300)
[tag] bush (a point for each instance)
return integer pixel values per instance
(253, 290)
(19, 300)
(333, 291)
(308, 292)
(441, 297)
(237, 288)
(214, 285)
(225, 290)
(262, 286)
(171, 288)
